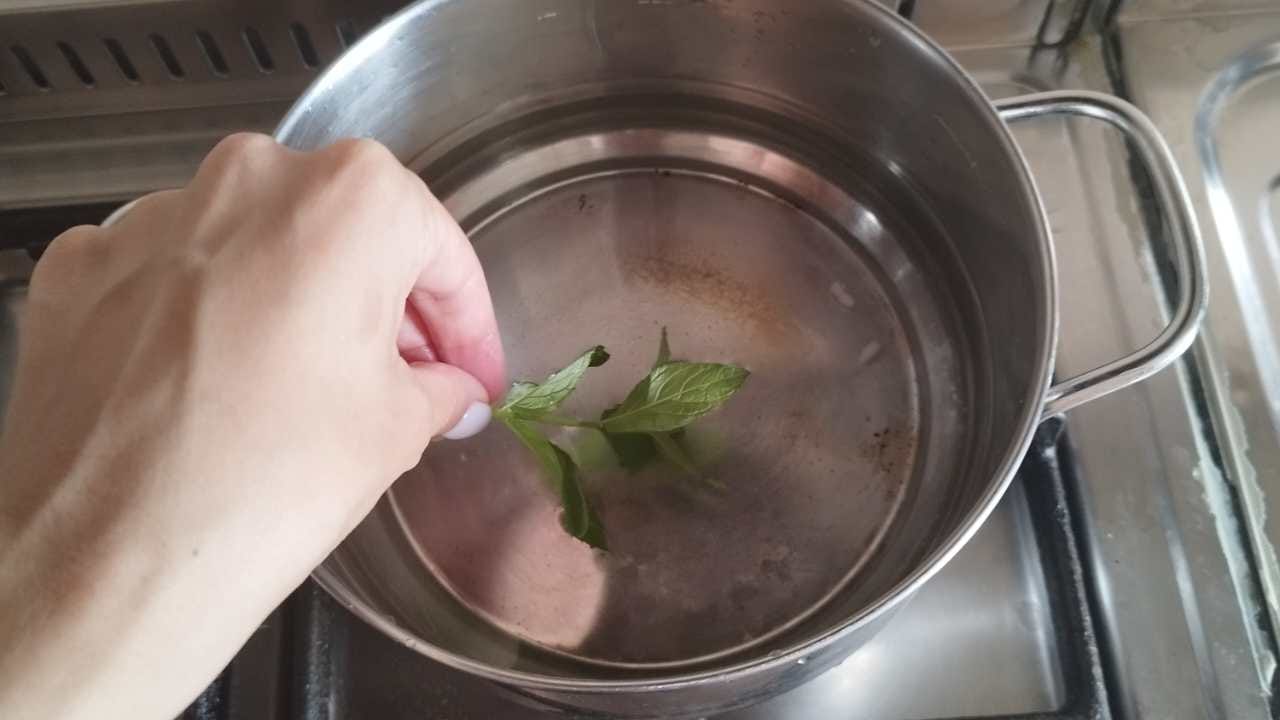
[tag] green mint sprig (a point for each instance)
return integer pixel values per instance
(648, 423)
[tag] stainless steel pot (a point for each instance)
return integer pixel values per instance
(814, 190)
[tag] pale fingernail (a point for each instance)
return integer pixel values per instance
(473, 421)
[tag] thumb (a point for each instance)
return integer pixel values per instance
(447, 401)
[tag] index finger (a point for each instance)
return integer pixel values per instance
(455, 320)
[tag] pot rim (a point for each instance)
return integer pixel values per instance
(1027, 422)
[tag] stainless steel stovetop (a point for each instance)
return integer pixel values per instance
(1130, 572)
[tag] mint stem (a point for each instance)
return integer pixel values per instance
(568, 422)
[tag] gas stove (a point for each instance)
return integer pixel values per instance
(1130, 570)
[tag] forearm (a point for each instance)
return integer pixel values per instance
(113, 619)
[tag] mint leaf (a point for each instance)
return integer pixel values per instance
(674, 454)
(634, 450)
(673, 395)
(577, 517)
(641, 388)
(529, 401)
(670, 448)
(541, 448)
(518, 390)
(646, 425)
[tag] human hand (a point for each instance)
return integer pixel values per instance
(210, 394)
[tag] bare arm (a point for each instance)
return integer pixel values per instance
(210, 394)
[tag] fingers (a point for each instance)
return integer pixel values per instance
(89, 256)
(450, 402)
(449, 314)
(72, 254)
(143, 221)
(413, 341)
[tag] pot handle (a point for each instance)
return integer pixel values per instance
(1184, 234)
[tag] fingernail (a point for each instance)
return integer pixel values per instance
(473, 421)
